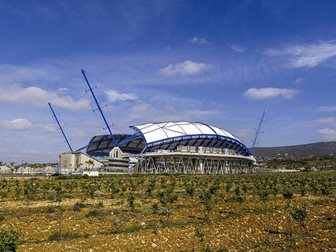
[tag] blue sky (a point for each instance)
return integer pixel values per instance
(220, 62)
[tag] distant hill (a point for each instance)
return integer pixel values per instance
(305, 150)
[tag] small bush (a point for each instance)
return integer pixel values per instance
(199, 234)
(302, 190)
(100, 205)
(325, 189)
(155, 208)
(8, 240)
(239, 198)
(207, 249)
(214, 187)
(63, 236)
(190, 189)
(50, 210)
(95, 213)
(150, 188)
(206, 200)
(288, 193)
(78, 206)
(131, 201)
(299, 213)
(263, 194)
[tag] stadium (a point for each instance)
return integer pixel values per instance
(172, 147)
(164, 147)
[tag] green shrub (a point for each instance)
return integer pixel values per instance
(150, 187)
(8, 240)
(214, 187)
(206, 200)
(288, 193)
(95, 213)
(263, 194)
(155, 208)
(78, 206)
(131, 201)
(325, 189)
(199, 234)
(299, 213)
(190, 189)
(63, 236)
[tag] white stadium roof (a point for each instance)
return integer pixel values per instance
(154, 132)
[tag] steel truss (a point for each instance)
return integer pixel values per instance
(192, 165)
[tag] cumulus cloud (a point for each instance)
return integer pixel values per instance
(24, 124)
(16, 124)
(270, 92)
(185, 68)
(306, 55)
(114, 96)
(40, 97)
(327, 120)
(326, 109)
(197, 40)
(328, 134)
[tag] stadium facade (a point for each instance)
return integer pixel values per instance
(171, 147)
(165, 147)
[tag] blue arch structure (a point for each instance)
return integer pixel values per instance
(137, 143)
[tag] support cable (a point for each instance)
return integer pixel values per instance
(59, 125)
(99, 108)
(258, 131)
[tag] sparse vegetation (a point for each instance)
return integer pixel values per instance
(8, 240)
(180, 208)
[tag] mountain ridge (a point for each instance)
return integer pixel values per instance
(317, 149)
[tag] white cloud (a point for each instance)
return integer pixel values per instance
(270, 92)
(185, 68)
(40, 97)
(16, 124)
(328, 134)
(13, 73)
(24, 124)
(326, 109)
(298, 80)
(327, 120)
(63, 89)
(196, 40)
(306, 55)
(237, 48)
(114, 96)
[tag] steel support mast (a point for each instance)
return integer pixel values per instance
(258, 131)
(99, 108)
(59, 125)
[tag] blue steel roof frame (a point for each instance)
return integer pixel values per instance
(130, 138)
(231, 141)
(100, 144)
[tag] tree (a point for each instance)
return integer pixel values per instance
(34, 166)
(90, 163)
(12, 166)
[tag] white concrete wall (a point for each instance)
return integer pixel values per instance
(76, 161)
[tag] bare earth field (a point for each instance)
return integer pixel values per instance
(277, 212)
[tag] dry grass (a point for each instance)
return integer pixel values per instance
(88, 213)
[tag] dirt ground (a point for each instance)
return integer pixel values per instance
(105, 223)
